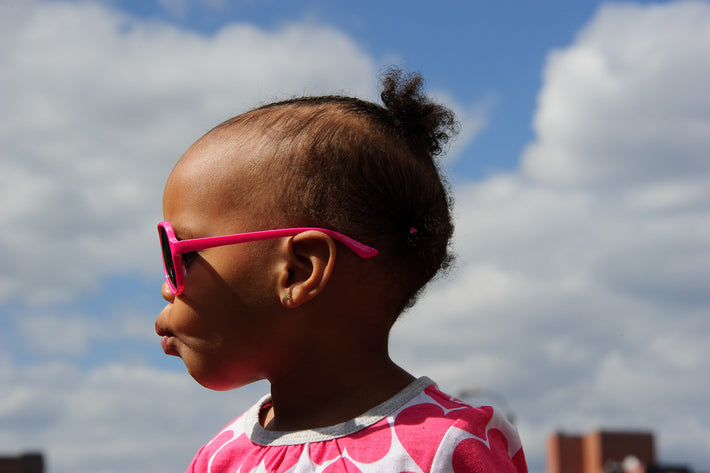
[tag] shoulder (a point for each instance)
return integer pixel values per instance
(230, 441)
(450, 435)
(433, 407)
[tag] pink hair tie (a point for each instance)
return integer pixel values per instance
(413, 231)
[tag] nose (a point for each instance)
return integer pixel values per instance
(167, 293)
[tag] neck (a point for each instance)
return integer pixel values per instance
(331, 389)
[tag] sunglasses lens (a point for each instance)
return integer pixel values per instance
(167, 257)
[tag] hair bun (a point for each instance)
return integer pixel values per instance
(425, 125)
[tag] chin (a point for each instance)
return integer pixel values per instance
(222, 383)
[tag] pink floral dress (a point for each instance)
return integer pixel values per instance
(420, 429)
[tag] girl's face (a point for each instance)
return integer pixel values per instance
(222, 325)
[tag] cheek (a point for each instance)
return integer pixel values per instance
(221, 351)
(223, 310)
(217, 371)
(215, 292)
(245, 272)
(208, 342)
(205, 277)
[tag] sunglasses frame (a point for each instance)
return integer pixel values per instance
(176, 247)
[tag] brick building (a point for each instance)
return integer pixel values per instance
(599, 451)
(26, 463)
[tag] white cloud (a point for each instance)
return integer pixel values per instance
(623, 104)
(75, 335)
(116, 417)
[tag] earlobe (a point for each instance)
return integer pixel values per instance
(287, 297)
(310, 259)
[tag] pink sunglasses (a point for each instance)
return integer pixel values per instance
(173, 249)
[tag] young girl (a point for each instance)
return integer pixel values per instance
(295, 235)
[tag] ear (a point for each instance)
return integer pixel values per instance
(308, 266)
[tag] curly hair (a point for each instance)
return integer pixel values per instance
(368, 171)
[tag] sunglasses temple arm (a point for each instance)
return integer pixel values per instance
(185, 246)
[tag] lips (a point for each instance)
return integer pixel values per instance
(166, 342)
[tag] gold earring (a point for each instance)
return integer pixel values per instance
(287, 297)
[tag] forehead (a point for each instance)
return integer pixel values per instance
(214, 181)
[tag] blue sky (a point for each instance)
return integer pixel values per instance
(582, 206)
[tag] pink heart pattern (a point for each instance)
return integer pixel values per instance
(431, 433)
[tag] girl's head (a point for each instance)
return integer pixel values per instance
(338, 163)
(364, 170)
